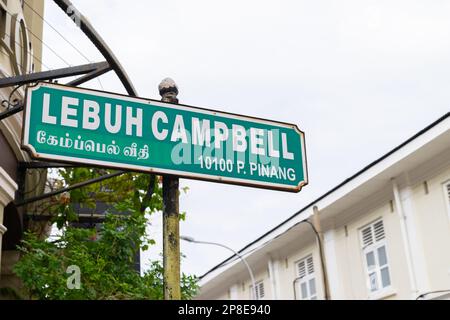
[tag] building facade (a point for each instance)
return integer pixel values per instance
(385, 235)
(21, 31)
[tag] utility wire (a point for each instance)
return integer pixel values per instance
(5, 73)
(46, 45)
(65, 39)
(39, 60)
(234, 257)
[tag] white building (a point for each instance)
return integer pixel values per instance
(386, 235)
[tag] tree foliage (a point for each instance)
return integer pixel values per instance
(105, 256)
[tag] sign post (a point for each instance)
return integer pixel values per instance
(171, 215)
(98, 128)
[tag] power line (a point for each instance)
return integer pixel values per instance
(5, 73)
(233, 258)
(65, 39)
(100, 83)
(48, 47)
(39, 60)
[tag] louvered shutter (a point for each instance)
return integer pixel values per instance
(260, 290)
(302, 269)
(448, 192)
(310, 265)
(367, 238)
(378, 230)
(306, 278)
(305, 267)
(372, 233)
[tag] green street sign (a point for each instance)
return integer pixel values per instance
(99, 128)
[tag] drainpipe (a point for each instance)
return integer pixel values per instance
(319, 233)
(405, 235)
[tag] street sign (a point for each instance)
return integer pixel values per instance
(84, 126)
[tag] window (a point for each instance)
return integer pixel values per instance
(447, 196)
(259, 290)
(374, 251)
(306, 288)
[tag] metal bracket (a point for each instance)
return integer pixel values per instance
(55, 74)
(81, 218)
(62, 190)
(92, 75)
(11, 111)
(91, 71)
(45, 165)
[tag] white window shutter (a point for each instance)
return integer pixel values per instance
(301, 269)
(310, 265)
(258, 291)
(373, 233)
(367, 238)
(378, 229)
(373, 238)
(261, 292)
(448, 191)
(306, 278)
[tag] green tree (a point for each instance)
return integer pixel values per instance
(105, 257)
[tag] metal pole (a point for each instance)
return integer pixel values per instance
(171, 219)
(189, 239)
(318, 230)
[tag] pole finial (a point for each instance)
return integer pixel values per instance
(168, 90)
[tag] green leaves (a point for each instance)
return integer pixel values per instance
(106, 264)
(105, 257)
(141, 190)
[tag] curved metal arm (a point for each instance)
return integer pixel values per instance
(322, 262)
(294, 283)
(237, 254)
(99, 43)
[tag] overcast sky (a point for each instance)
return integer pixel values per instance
(358, 77)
